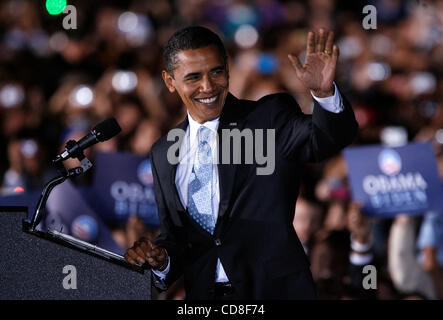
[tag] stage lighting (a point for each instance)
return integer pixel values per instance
(82, 96)
(29, 148)
(55, 7)
(350, 47)
(394, 136)
(137, 28)
(11, 95)
(246, 36)
(423, 83)
(378, 71)
(124, 81)
(439, 136)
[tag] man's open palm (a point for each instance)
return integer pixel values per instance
(318, 72)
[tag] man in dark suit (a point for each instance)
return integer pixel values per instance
(226, 225)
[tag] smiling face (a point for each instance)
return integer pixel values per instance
(202, 81)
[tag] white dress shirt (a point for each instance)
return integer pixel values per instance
(188, 151)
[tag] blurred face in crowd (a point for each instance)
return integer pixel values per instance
(329, 258)
(145, 136)
(202, 81)
(335, 217)
(128, 116)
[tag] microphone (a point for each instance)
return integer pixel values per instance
(103, 131)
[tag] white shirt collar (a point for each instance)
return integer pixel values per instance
(194, 125)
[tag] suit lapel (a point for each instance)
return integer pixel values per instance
(229, 119)
(172, 169)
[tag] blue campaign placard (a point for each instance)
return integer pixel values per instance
(22, 199)
(68, 212)
(388, 181)
(123, 186)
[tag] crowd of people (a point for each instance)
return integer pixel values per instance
(56, 83)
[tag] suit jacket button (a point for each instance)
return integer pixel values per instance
(218, 242)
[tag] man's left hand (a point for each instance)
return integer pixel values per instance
(318, 72)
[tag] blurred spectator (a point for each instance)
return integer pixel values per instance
(147, 133)
(430, 242)
(406, 272)
(329, 263)
(307, 221)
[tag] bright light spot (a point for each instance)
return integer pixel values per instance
(394, 136)
(19, 189)
(378, 71)
(81, 96)
(29, 148)
(11, 95)
(55, 7)
(137, 28)
(124, 81)
(350, 47)
(127, 22)
(439, 136)
(423, 82)
(246, 36)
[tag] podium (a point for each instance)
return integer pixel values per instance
(37, 265)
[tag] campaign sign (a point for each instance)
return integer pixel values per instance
(22, 199)
(388, 181)
(68, 212)
(123, 186)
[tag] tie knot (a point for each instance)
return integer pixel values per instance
(204, 134)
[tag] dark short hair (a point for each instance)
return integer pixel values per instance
(190, 38)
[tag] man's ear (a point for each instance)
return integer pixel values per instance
(167, 78)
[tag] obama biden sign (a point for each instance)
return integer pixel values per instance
(388, 180)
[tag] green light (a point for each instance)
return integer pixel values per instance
(55, 7)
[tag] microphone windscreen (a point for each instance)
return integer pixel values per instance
(107, 129)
